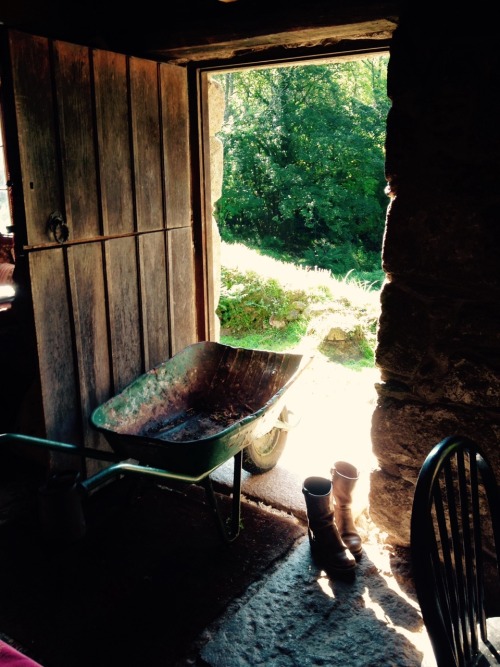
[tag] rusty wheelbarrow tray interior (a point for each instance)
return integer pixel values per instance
(195, 411)
(190, 414)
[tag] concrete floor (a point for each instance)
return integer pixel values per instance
(297, 617)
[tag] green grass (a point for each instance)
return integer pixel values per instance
(276, 340)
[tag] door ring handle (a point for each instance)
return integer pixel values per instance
(57, 227)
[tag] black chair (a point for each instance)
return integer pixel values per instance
(455, 536)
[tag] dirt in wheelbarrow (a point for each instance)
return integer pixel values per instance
(149, 575)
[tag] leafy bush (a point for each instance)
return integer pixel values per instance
(249, 303)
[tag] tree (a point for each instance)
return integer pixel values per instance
(304, 162)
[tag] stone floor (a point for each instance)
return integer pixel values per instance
(297, 616)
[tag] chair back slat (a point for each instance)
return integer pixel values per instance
(443, 568)
(476, 565)
(456, 499)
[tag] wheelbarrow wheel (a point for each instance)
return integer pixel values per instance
(263, 454)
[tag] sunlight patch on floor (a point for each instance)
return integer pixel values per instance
(333, 408)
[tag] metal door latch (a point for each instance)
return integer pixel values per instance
(57, 227)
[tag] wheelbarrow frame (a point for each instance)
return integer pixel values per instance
(183, 393)
(229, 529)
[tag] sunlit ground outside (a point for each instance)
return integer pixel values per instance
(331, 407)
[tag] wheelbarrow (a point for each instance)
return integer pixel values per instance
(207, 404)
(184, 418)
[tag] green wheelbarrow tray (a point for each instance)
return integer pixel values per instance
(200, 408)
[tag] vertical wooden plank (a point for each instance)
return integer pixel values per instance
(115, 167)
(54, 345)
(76, 132)
(154, 298)
(207, 231)
(175, 124)
(146, 141)
(182, 289)
(124, 313)
(32, 81)
(185, 284)
(86, 279)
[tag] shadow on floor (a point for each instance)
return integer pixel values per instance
(149, 575)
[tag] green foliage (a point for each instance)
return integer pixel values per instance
(368, 352)
(249, 303)
(359, 364)
(304, 163)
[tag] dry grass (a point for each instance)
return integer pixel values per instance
(293, 277)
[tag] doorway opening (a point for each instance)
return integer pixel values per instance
(304, 194)
(7, 253)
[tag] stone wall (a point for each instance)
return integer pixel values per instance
(439, 332)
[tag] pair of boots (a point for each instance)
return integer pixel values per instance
(335, 543)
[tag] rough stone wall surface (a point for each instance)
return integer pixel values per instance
(439, 331)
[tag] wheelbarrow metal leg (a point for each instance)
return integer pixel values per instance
(231, 533)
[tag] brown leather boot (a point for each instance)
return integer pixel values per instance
(327, 548)
(344, 478)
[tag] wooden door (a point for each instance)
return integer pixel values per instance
(98, 147)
